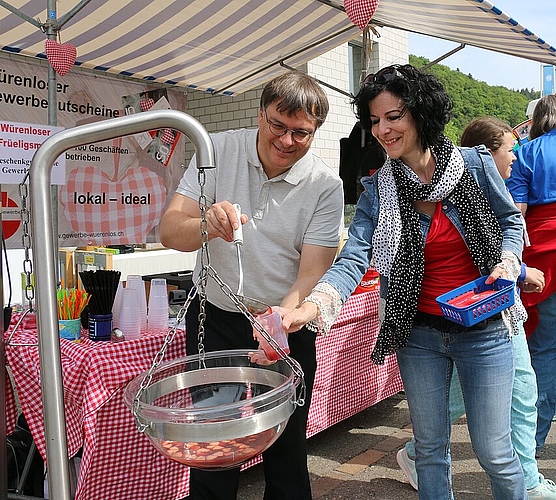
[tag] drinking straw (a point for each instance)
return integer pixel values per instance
(102, 285)
(71, 302)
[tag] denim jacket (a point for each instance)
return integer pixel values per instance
(355, 257)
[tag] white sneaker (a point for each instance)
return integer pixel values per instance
(546, 490)
(408, 468)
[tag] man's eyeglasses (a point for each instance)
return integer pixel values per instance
(385, 75)
(300, 136)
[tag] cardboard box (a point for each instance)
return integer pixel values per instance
(90, 261)
(66, 268)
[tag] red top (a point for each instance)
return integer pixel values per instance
(541, 225)
(448, 263)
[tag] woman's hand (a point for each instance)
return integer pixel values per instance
(534, 280)
(499, 271)
(299, 317)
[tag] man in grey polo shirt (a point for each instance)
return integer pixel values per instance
(292, 211)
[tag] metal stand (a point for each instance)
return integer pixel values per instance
(45, 266)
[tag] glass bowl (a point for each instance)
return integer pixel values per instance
(215, 415)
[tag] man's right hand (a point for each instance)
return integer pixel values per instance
(222, 220)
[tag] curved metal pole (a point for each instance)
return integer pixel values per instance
(44, 261)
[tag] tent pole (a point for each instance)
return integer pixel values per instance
(52, 29)
(58, 474)
(348, 94)
(19, 13)
(3, 380)
(444, 56)
(281, 60)
(366, 54)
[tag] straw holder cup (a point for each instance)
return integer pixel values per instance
(70, 329)
(100, 326)
(102, 285)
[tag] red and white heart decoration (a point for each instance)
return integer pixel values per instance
(61, 56)
(167, 136)
(360, 12)
(146, 104)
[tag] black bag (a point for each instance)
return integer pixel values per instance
(20, 444)
(360, 155)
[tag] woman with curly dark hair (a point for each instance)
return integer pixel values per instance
(433, 218)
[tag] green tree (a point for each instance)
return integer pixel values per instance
(473, 98)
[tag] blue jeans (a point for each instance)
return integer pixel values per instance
(485, 363)
(524, 413)
(542, 346)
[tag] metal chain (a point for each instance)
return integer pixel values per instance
(200, 289)
(26, 241)
(257, 326)
(159, 357)
(205, 264)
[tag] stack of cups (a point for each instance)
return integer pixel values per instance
(158, 305)
(129, 321)
(136, 281)
(116, 306)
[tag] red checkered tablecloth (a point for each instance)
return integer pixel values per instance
(347, 381)
(118, 462)
(11, 408)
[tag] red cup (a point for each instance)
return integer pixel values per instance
(272, 323)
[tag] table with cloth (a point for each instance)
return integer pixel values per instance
(119, 462)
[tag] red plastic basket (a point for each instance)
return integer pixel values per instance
(465, 306)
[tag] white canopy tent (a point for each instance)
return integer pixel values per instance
(471, 22)
(229, 46)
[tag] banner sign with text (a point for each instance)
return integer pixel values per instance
(110, 193)
(18, 143)
(547, 79)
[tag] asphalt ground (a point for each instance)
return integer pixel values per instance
(356, 459)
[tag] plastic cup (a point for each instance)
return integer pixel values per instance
(129, 320)
(272, 323)
(158, 305)
(116, 306)
(70, 329)
(136, 281)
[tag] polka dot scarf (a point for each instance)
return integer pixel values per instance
(398, 246)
